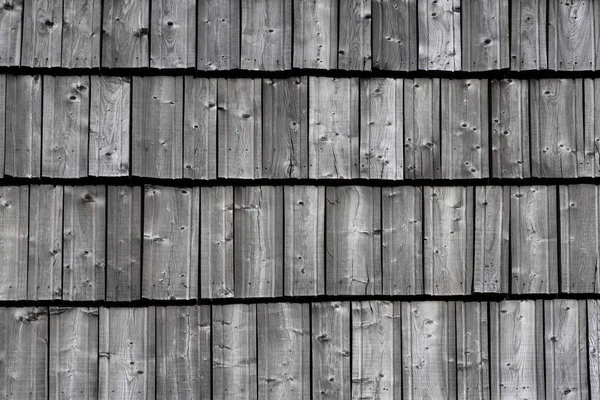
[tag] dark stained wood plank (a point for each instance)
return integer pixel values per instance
(239, 134)
(381, 129)
(395, 35)
(528, 39)
(127, 353)
(45, 261)
(304, 235)
(73, 353)
(315, 34)
(125, 31)
(66, 112)
(439, 35)
(11, 15)
(354, 38)
(218, 35)
(82, 21)
(448, 240)
(283, 350)
(472, 351)
(285, 128)
(42, 33)
(14, 230)
(109, 126)
(402, 240)
(170, 243)
(534, 243)
(333, 129)
(593, 329)
(157, 126)
(124, 243)
(84, 241)
(465, 129)
(173, 29)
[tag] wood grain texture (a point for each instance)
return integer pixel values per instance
(285, 128)
(81, 33)
(84, 241)
(125, 31)
(218, 35)
(42, 33)
(14, 230)
(528, 39)
(590, 158)
(170, 243)
(381, 129)
(593, 323)
(3, 121)
(472, 351)
(258, 244)
(465, 129)
(448, 240)
(333, 130)
(439, 35)
(109, 126)
(394, 34)
(66, 112)
(354, 38)
(304, 236)
(402, 240)
(353, 238)
(315, 34)
(157, 126)
(173, 29)
(11, 18)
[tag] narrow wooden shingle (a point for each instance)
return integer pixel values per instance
(173, 30)
(42, 33)
(589, 158)
(315, 34)
(11, 16)
(3, 121)
(81, 33)
(354, 38)
(593, 329)
(394, 33)
(439, 35)
(528, 43)
(14, 230)
(472, 351)
(218, 35)
(125, 32)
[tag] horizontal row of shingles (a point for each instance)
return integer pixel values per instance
(280, 34)
(89, 243)
(334, 350)
(315, 127)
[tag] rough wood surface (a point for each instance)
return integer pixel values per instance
(42, 33)
(354, 40)
(591, 112)
(528, 39)
(218, 35)
(593, 325)
(14, 230)
(125, 31)
(11, 16)
(316, 34)
(472, 351)
(439, 35)
(82, 21)
(395, 35)
(3, 122)
(173, 30)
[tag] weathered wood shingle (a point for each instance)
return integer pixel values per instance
(173, 30)
(81, 31)
(11, 25)
(125, 32)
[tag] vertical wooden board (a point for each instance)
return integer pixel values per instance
(448, 240)
(285, 128)
(304, 235)
(234, 351)
(170, 244)
(571, 38)
(354, 39)
(200, 128)
(402, 240)
(590, 156)
(109, 126)
(124, 243)
(239, 135)
(66, 113)
(127, 355)
(125, 31)
(428, 350)
(11, 14)
(73, 353)
(422, 141)
(218, 35)
(45, 261)
(315, 34)
(593, 342)
(84, 241)
(173, 29)
(283, 350)
(14, 230)
(23, 353)
(331, 350)
(82, 21)
(258, 244)
(42, 33)
(353, 240)
(492, 245)
(381, 129)
(23, 125)
(439, 35)
(394, 35)
(216, 242)
(465, 129)
(528, 35)
(3, 121)
(333, 128)
(472, 351)
(510, 129)
(534, 232)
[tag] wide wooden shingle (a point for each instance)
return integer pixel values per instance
(81, 33)
(218, 35)
(42, 33)
(173, 30)
(354, 40)
(439, 35)
(316, 34)
(14, 228)
(125, 32)
(11, 18)
(528, 37)
(394, 33)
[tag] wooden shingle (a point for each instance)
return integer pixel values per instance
(173, 34)
(81, 33)
(125, 33)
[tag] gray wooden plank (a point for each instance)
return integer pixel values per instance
(590, 157)
(157, 126)
(3, 121)
(593, 342)
(472, 351)
(124, 243)
(127, 356)
(125, 31)
(448, 240)
(73, 363)
(45, 261)
(333, 130)
(315, 34)
(42, 33)
(234, 351)
(381, 129)
(331, 350)
(402, 240)
(283, 350)
(24, 353)
(354, 38)
(218, 36)
(239, 134)
(170, 243)
(395, 35)
(439, 35)
(304, 235)
(465, 129)
(14, 230)
(109, 126)
(65, 124)
(528, 43)
(84, 241)
(173, 30)
(205, 357)
(81, 33)
(11, 16)
(285, 128)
